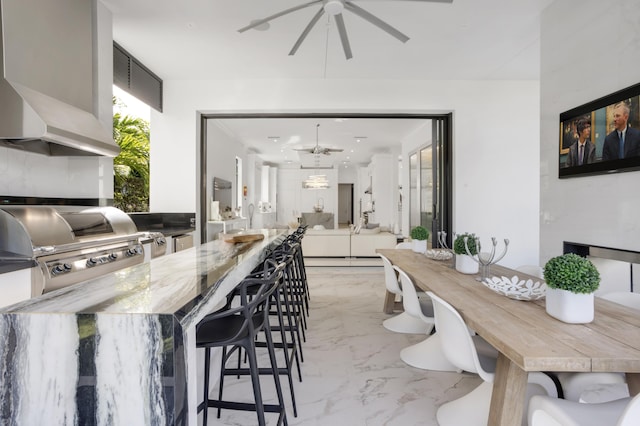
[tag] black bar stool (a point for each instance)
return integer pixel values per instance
(299, 277)
(237, 327)
(282, 308)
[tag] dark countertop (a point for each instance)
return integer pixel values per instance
(15, 265)
(10, 262)
(172, 232)
(169, 224)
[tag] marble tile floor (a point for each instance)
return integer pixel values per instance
(352, 374)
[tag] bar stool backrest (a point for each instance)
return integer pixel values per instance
(252, 303)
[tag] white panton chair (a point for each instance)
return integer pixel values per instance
(547, 411)
(403, 322)
(427, 354)
(464, 351)
(599, 387)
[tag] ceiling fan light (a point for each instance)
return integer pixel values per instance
(333, 7)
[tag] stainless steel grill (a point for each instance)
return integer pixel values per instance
(71, 244)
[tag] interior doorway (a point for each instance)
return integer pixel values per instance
(390, 208)
(345, 204)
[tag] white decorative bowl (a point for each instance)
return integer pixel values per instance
(515, 288)
(438, 254)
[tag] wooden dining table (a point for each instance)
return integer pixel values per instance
(527, 338)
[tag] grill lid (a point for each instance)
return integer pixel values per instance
(25, 230)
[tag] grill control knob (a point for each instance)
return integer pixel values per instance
(113, 256)
(134, 251)
(60, 269)
(161, 241)
(92, 261)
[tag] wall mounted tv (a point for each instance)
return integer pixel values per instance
(590, 142)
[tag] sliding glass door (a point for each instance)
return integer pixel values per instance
(430, 172)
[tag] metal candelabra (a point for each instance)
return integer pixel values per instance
(485, 260)
(442, 241)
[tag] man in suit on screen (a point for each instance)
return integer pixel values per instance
(582, 151)
(623, 141)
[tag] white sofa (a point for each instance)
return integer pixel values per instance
(344, 243)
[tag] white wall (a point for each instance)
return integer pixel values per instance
(384, 189)
(496, 125)
(293, 199)
(220, 163)
(590, 49)
(24, 174)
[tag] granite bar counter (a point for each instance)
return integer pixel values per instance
(120, 349)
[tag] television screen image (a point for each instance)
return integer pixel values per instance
(602, 136)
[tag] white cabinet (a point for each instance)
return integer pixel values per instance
(15, 287)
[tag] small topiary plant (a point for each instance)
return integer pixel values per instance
(572, 273)
(419, 233)
(458, 244)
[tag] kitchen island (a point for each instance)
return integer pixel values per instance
(119, 349)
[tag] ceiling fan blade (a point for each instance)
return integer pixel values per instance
(334, 149)
(376, 21)
(277, 15)
(343, 35)
(422, 1)
(308, 28)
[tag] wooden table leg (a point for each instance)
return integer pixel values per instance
(633, 380)
(507, 399)
(389, 302)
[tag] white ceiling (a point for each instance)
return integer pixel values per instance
(358, 137)
(198, 39)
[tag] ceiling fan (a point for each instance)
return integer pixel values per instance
(335, 8)
(317, 150)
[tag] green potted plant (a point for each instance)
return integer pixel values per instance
(464, 263)
(419, 236)
(571, 282)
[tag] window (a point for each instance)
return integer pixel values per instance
(130, 75)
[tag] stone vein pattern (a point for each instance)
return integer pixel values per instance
(128, 360)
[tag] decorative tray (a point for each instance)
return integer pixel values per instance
(515, 288)
(438, 254)
(244, 238)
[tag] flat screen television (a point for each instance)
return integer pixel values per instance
(222, 192)
(589, 135)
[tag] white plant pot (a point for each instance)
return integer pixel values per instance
(466, 265)
(569, 307)
(419, 246)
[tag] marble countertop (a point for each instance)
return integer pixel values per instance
(172, 284)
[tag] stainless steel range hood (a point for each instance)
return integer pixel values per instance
(47, 100)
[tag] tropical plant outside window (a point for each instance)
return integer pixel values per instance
(131, 166)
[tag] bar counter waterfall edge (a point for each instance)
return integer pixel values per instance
(119, 349)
